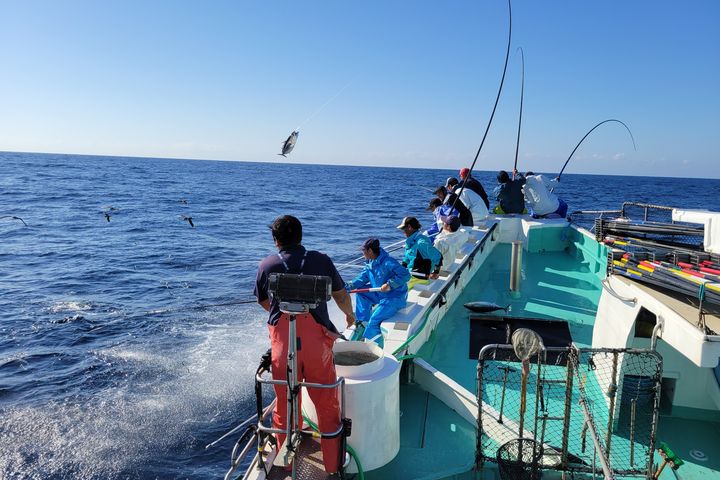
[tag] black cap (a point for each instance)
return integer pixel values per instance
(410, 222)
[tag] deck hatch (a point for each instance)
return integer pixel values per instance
(489, 329)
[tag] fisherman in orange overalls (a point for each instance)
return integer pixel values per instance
(316, 333)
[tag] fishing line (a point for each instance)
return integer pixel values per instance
(588, 133)
(497, 99)
(522, 95)
(162, 311)
(323, 105)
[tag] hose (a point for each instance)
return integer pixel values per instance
(353, 453)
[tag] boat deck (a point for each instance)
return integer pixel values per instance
(552, 288)
(437, 442)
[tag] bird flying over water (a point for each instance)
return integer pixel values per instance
(107, 209)
(289, 144)
(188, 219)
(13, 217)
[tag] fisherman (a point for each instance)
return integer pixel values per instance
(539, 197)
(450, 240)
(474, 185)
(472, 200)
(420, 256)
(316, 333)
(380, 270)
(449, 198)
(436, 207)
(509, 193)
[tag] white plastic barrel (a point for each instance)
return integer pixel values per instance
(372, 402)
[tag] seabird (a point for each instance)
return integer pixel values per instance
(14, 218)
(188, 219)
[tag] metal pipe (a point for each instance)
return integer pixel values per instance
(538, 392)
(567, 410)
(515, 266)
(502, 397)
(292, 413)
(659, 326)
(240, 427)
(604, 463)
(632, 432)
(612, 393)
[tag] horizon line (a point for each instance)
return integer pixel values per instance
(327, 164)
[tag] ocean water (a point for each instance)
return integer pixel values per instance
(118, 358)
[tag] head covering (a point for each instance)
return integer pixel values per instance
(451, 182)
(371, 243)
(434, 203)
(452, 221)
(441, 189)
(409, 222)
(464, 172)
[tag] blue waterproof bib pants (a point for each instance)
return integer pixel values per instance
(386, 308)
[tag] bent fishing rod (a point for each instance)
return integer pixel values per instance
(588, 133)
(497, 99)
(522, 96)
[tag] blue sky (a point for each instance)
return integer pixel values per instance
(230, 80)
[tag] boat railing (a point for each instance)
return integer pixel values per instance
(587, 410)
(440, 298)
(258, 435)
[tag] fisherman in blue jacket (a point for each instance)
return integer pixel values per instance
(383, 271)
(420, 256)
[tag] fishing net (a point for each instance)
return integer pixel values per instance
(520, 459)
(526, 343)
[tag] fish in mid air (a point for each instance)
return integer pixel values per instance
(485, 307)
(289, 144)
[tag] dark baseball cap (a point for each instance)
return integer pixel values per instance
(451, 181)
(452, 221)
(409, 222)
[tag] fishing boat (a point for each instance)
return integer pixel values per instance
(604, 365)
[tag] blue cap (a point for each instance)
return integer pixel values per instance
(452, 221)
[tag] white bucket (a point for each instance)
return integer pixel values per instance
(372, 402)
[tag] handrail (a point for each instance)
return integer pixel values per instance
(606, 285)
(646, 207)
(440, 295)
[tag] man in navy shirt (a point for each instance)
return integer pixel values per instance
(316, 333)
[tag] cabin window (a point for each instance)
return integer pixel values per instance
(644, 323)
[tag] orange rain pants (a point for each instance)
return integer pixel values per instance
(315, 364)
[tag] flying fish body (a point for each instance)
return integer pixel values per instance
(289, 144)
